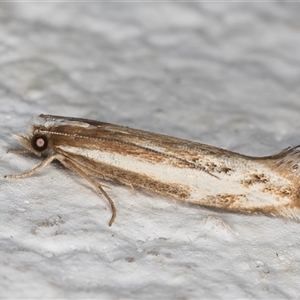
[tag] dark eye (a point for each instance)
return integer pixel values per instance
(39, 142)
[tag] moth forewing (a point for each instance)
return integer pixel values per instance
(169, 166)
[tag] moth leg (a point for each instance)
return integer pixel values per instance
(90, 171)
(43, 164)
(19, 151)
(175, 203)
(132, 189)
(69, 164)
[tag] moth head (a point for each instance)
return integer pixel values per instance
(36, 143)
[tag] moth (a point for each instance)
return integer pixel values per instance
(184, 170)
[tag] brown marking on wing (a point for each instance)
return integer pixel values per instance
(226, 170)
(191, 151)
(101, 170)
(255, 178)
(291, 192)
(214, 168)
(234, 203)
(96, 139)
(224, 200)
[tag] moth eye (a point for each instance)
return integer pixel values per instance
(39, 142)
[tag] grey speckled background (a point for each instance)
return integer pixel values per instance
(225, 74)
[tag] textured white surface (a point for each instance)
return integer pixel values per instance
(225, 74)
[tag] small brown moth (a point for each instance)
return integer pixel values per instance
(185, 170)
